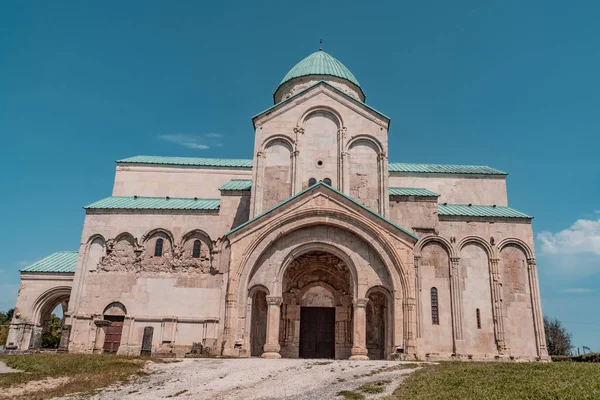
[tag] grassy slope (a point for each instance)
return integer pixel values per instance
(502, 381)
(86, 372)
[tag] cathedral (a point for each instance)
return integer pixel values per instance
(317, 247)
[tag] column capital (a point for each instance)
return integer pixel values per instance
(274, 300)
(299, 130)
(455, 260)
(531, 261)
(360, 303)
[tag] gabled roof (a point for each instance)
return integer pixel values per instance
(444, 169)
(463, 210)
(193, 161)
(237, 184)
(330, 188)
(62, 261)
(154, 203)
(400, 191)
(313, 86)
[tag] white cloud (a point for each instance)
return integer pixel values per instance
(186, 140)
(213, 135)
(582, 237)
(577, 290)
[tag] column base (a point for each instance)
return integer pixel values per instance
(359, 354)
(270, 354)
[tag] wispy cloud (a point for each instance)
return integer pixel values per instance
(582, 237)
(185, 140)
(213, 135)
(577, 290)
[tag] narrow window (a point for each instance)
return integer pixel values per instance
(196, 250)
(478, 319)
(312, 181)
(158, 248)
(327, 181)
(435, 316)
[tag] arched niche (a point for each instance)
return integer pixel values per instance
(154, 260)
(478, 330)
(319, 148)
(364, 173)
(120, 254)
(519, 325)
(96, 249)
(277, 172)
(434, 272)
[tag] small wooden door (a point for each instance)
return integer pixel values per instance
(112, 336)
(317, 332)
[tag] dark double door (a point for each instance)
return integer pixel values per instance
(112, 334)
(317, 332)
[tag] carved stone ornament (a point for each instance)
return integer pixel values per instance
(299, 130)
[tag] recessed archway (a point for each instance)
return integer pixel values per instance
(316, 311)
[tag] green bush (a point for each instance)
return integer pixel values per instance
(562, 358)
(591, 357)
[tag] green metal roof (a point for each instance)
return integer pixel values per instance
(154, 203)
(237, 184)
(247, 163)
(479, 211)
(193, 161)
(62, 261)
(444, 169)
(397, 191)
(320, 63)
(331, 188)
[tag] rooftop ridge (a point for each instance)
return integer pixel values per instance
(154, 203)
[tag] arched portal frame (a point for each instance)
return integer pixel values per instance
(400, 276)
(48, 301)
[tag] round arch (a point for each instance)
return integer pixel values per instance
(116, 309)
(47, 301)
(425, 240)
(150, 233)
(515, 242)
(278, 138)
(324, 109)
(198, 232)
(478, 240)
(365, 138)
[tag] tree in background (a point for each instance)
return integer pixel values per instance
(51, 339)
(558, 340)
(5, 318)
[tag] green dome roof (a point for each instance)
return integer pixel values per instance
(320, 63)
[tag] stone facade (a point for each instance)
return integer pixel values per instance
(381, 276)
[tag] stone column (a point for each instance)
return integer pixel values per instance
(410, 325)
(418, 294)
(537, 309)
(359, 345)
(497, 301)
(272, 348)
(230, 317)
(456, 299)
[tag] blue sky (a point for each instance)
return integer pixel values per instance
(513, 85)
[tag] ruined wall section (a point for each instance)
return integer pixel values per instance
(455, 188)
(181, 296)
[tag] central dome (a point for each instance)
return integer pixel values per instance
(320, 63)
(316, 67)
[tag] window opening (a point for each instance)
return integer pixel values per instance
(196, 250)
(158, 248)
(435, 316)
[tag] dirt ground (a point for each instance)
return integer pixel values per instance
(256, 378)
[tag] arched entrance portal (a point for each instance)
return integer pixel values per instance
(316, 311)
(50, 309)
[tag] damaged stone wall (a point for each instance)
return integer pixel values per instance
(518, 312)
(364, 174)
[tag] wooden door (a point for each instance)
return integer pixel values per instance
(112, 336)
(317, 332)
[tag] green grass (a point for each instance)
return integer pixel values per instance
(494, 381)
(351, 395)
(86, 372)
(373, 387)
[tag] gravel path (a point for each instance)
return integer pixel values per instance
(6, 370)
(255, 378)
